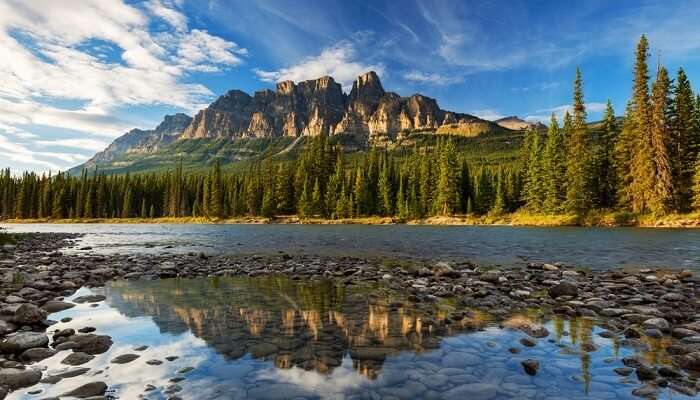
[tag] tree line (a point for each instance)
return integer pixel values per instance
(648, 162)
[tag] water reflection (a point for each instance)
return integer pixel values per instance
(272, 338)
(310, 326)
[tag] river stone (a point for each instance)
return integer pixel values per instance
(690, 361)
(36, 354)
(71, 373)
(88, 390)
(563, 289)
(28, 314)
(7, 327)
(124, 358)
(90, 298)
(530, 366)
(91, 343)
(444, 269)
(15, 378)
(472, 391)
(657, 323)
(53, 306)
(21, 341)
(77, 358)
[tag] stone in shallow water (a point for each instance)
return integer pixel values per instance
(91, 344)
(28, 314)
(90, 298)
(36, 354)
(53, 306)
(77, 358)
(15, 378)
(21, 341)
(88, 390)
(531, 366)
(124, 358)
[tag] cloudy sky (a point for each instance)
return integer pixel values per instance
(75, 74)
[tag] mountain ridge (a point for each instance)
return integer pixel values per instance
(307, 108)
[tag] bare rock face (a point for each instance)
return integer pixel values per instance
(318, 106)
(309, 108)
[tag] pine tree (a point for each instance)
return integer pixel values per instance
(128, 203)
(499, 204)
(386, 200)
(662, 198)
(578, 166)
(534, 190)
(684, 141)
(606, 177)
(696, 186)
(554, 165)
(305, 206)
(642, 165)
(622, 158)
(447, 196)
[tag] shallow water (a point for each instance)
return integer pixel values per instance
(587, 247)
(276, 339)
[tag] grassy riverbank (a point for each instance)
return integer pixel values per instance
(604, 219)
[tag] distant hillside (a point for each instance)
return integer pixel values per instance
(241, 127)
(518, 124)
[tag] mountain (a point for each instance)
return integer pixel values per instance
(517, 124)
(140, 141)
(369, 114)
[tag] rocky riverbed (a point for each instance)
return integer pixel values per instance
(632, 305)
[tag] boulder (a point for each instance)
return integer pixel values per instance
(444, 269)
(563, 289)
(91, 343)
(28, 314)
(15, 378)
(53, 306)
(36, 354)
(21, 341)
(91, 389)
(530, 366)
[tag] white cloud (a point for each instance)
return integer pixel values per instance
(102, 55)
(76, 143)
(489, 115)
(176, 19)
(337, 61)
(545, 114)
(432, 78)
(539, 87)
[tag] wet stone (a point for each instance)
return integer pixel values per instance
(124, 358)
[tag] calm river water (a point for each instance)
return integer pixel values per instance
(588, 247)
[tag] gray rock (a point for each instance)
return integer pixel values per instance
(444, 269)
(20, 341)
(563, 289)
(28, 314)
(124, 358)
(88, 390)
(78, 358)
(657, 323)
(53, 306)
(530, 366)
(15, 378)
(90, 298)
(91, 343)
(36, 354)
(7, 327)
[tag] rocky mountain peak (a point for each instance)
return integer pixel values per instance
(173, 124)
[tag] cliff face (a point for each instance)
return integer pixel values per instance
(319, 106)
(309, 108)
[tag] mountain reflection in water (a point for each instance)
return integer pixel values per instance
(274, 338)
(311, 326)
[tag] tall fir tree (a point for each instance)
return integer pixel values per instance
(447, 195)
(578, 166)
(641, 190)
(662, 198)
(554, 164)
(605, 174)
(684, 141)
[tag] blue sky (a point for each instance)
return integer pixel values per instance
(76, 74)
